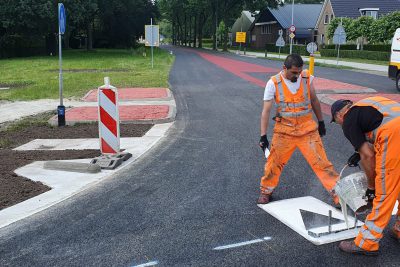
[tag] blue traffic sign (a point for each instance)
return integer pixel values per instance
(61, 18)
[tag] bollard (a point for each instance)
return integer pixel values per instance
(312, 64)
(266, 53)
(108, 118)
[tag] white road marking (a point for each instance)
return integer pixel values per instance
(152, 263)
(243, 243)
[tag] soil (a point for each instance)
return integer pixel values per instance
(15, 189)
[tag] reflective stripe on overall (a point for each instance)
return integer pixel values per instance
(386, 140)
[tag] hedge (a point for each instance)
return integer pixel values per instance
(372, 55)
(367, 47)
(298, 49)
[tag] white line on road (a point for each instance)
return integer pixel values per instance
(152, 263)
(243, 243)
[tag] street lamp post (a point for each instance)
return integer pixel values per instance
(291, 39)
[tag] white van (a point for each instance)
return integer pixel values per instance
(394, 65)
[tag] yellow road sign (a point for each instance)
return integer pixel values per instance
(292, 35)
(240, 37)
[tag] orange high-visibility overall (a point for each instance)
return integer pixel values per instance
(386, 141)
(295, 128)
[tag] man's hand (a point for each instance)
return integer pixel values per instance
(353, 160)
(321, 128)
(264, 142)
(370, 195)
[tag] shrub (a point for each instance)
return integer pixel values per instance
(372, 55)
(366, 47)
(298, 49)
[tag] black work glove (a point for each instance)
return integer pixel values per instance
(264, 142)
(321, 128)
(370, 195)
(354, 159)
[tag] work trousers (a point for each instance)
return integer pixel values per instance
(387, 186)
(310, 145)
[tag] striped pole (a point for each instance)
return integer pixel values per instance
(108, 118)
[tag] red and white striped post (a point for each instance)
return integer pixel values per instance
(108, 118)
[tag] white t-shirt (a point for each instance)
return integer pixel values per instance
(270, 90)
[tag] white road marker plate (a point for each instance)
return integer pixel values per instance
(289, 212)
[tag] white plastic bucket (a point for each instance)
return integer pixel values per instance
(351, 189)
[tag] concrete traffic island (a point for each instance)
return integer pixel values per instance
(69, 177)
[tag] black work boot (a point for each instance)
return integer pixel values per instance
(264, 198)
(352, 248)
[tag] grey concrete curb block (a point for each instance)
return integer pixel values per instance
(170, 117)
(72, 166)
(167, 98)
(346, 91)
(323, 98)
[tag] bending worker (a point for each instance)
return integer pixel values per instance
(372, 126)
(293, 92)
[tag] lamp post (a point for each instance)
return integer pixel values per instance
(291, 39)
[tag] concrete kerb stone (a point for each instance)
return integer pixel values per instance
(71, 166)
(325, 99)
(170, 117)
(167, 98)
(346, 91)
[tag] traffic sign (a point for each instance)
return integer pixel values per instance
(339, 37)
(240, 37)
(312, 48)
(61, 18)
(292, 28)
(280, 42)
(292, 35)
(152, 36)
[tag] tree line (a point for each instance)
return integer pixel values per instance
(188, 21)
(28, 24)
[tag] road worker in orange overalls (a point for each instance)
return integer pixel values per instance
(372, 126)
(293, 93)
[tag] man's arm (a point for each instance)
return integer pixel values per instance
(368, 163)
(316, 106)
(265, 116)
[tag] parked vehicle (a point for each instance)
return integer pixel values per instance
(394, 65)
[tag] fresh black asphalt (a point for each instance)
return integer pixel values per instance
(195, 191)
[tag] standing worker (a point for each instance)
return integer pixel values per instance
(295, 100)
(372, 126)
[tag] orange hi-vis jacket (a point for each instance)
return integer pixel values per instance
(294, 111)
(388, 108)
(386, 141)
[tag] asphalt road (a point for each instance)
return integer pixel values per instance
(195, 191)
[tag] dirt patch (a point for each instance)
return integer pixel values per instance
(18, 84)
(92, 70)
(15, 189)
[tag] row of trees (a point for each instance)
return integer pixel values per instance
(107, 23)
(364, 28)
(190, 20)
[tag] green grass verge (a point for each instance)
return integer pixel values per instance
(37, 77)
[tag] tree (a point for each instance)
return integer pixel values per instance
(81, 15)
(121, 22)
(348, 26)
(361, 28)
(383, 29)
(308, 1)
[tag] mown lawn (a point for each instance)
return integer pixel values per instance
(37, 77)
